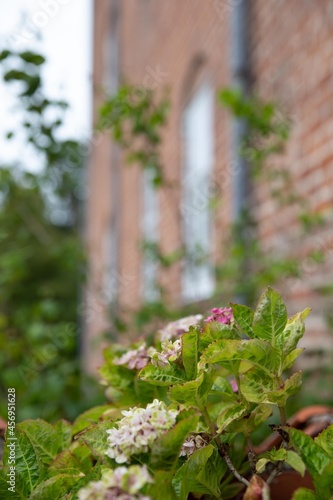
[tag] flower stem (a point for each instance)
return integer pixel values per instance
(222, 448)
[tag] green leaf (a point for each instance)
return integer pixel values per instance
(271, 456)
(230, 414)
(168, 375)
(55, 487)
(250, 422)
(314, 457)
(186, 479)
(295, 461)
(45, 439)
(290, 358)
(217, 331)
(32, 58)
(4, 54)
(261, 464)
(292, 333)
(304, 494)
(257, 387)
(190, 346)
(324, 483)
(244, 318)
(116, 376)
(193, 393)
(162, 488)
(230, 353)
(28, 467)
(270, 317)
(165, 450)
(210, 476)
(64, 434)
(291, 386)
(70, 462)
(96, 439)
(325, 440)
(91, 416)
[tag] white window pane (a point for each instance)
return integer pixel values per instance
(150, 222)
(198, 135)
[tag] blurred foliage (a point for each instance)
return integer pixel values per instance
(41, 257)
(135, 119)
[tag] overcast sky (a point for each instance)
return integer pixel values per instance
(65, 27)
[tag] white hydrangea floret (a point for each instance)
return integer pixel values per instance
(177, 328)
(120, 484)
(138, 429)
(171, 351)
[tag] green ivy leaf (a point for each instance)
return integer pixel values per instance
(165, 450)
(244, 318)
(270, 317)
(314, 457)
(190, 347)
(168, 375)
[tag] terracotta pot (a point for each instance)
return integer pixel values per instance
(312, 421)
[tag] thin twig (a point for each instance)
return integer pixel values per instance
(251, 456)
(222, 449)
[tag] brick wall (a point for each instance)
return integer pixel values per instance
(177, 44)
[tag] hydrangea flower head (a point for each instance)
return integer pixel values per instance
(221, 315)
(177, 328)
(134, 359)
(192, 443)
(138, 429)
(122, 483)
(171, 351)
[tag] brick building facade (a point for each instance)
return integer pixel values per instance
(185, 45)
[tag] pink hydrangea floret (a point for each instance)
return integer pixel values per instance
(135, 359)
(221, 315)
(171, 351)
(177, 328)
